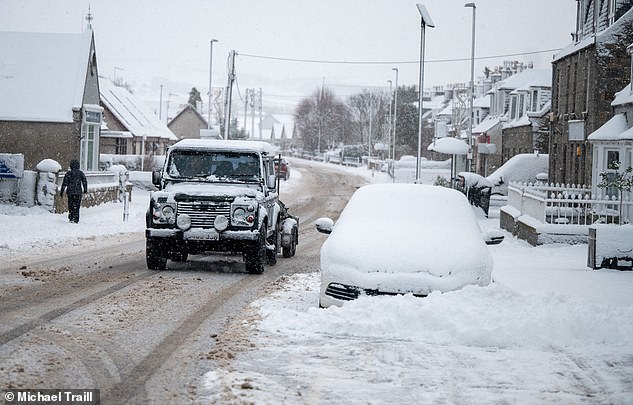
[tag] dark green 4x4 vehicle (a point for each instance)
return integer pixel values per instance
(216, 195)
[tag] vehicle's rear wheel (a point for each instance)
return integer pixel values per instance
(154, 255)
(255, 255)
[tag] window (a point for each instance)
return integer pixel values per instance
(513, 108)
(535, 103)
(120, 146)
(91, 122)
(521, 106)
(613, 157)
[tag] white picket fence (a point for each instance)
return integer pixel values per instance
(568, 204)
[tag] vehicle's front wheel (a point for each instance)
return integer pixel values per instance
(180, 254)
(275, 240)
(154, 255)
(255, 255)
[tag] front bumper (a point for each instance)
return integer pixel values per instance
(179, 235)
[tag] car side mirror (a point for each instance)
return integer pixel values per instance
(324, 225)
(272, 182)
(493, 237)
(156, 178)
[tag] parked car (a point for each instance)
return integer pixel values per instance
(403, 238)
(524, 167)
(282, 168)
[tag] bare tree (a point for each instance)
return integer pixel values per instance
(322, 120)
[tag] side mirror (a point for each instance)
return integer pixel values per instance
(272, 182)
(493, 237)
(324, 225)
(156, 178)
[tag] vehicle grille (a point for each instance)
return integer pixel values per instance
(342, 292)
(203, 214)
(348, 293)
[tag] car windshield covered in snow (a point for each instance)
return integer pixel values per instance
(214, 166)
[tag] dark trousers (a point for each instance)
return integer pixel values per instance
(74, 202)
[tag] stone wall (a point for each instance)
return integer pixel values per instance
(39, 140)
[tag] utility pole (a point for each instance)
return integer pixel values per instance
(246, 108)
(210, 81)
(229, 94)
(253, 113)
(261, 106)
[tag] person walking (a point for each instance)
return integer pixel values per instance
(75, 182)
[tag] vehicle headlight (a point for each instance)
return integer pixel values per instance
(169, 214)
(183, 221)
(163, 213)
(243, 215)
(221, 223)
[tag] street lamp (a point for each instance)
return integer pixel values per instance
(390, 119)
(425, 20)
(471, 94)
(395, 117)
(210, 82)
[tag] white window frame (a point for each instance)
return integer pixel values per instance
(92, 116)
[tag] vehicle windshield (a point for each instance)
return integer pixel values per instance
(214, 166)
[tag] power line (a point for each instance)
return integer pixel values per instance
(340, 62)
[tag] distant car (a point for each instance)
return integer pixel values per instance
(402, 238)
(282, 168)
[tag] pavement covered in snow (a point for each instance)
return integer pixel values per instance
(548, 330)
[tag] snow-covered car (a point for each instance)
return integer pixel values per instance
(524, 167)
(402, 238)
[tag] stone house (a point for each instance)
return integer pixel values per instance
(613, 141)
(517, 119)
(49, 103)
(129, 127)
(187, 123)
(586, 76)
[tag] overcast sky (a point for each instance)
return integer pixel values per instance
(153, 42)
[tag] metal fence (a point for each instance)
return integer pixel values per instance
(569, 204)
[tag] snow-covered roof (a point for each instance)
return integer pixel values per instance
(132, 112)
(609, 35)
(527, 78)
(522, 121)
(221, 144)
(42, 75)
(486, 125)
(625, 96)
(615, 129)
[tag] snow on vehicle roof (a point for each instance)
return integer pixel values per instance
(407, 229)
(522, 167)
(221, 144)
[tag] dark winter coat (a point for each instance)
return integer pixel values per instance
(74, 180)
